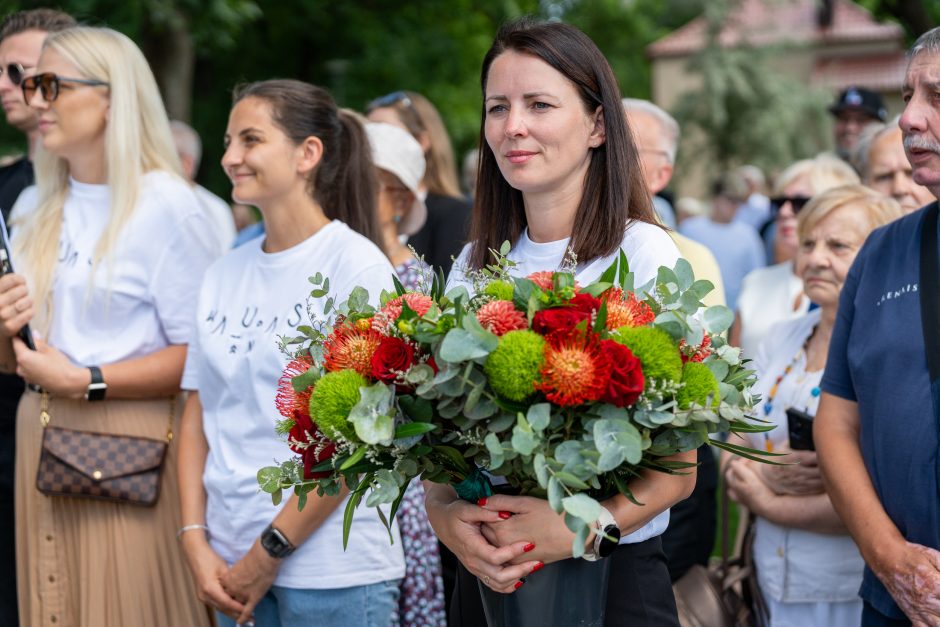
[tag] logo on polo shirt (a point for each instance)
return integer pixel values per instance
(890, 295)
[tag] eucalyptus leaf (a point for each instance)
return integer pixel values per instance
(269, 479)
(541, 469)
(555, 494)
(718, 319)
(684, 274)
(539, 416)
(582, 506)
(462, 345)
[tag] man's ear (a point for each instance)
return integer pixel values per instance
(311, 153)
(598, 134)
(661, 178)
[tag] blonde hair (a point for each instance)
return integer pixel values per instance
(137, 140)
(877, 208)
(823, 171)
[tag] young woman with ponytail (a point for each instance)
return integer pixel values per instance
(307, 167)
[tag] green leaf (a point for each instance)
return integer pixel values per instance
(413, 429)
(399, 288)
(504, 248)
(524, 440)
(580, 540)
(623, 272)
(689, 303)
(582, 506)
(358, 299)
(269, 479)
(461, 345)
(305, 380)
(353, 459)
(718, 319)
(539, 415)
(372, 415)
(418, 409)
(541, 469)
(701, 288)
(276, 497)
(351, 506)
(610, 274)
(684, 274)
(555, 494)
(718, 368)
(571, 481)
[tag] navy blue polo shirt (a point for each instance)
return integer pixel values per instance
(877, 359)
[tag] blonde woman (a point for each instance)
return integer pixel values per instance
(808, 567)
(111, 245)
(775, 293)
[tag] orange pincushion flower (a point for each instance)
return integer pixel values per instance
(696, 353)
(575, 371)
(350, 348)
(501, 317)
(626, 310)
(288, 400)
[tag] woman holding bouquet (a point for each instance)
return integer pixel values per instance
(560, 179)
(306, 166)
(808, 567)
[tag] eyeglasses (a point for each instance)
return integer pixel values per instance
(796, 204)
(390, 99)
(49, 85)
(15, 71)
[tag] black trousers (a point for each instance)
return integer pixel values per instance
(639, 593)
(692, 523)
(11, 388)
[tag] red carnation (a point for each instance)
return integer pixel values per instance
(288, 400)
(565, 318)
(626, 381)
(626, 309)
(575, 370)
(501, 316)
(393, 357)
(697, 354)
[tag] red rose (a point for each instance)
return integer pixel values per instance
(565, 318)
(316, 454)
(626, 375)
(308, 442)
(392, 357)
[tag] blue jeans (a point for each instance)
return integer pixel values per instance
(360, 606)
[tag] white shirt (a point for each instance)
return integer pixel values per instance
(144, 298)
(767, 298)
(248, 299)
(794, 565)
(646, 246)
(220, 213)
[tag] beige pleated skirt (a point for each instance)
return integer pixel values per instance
(85, 563)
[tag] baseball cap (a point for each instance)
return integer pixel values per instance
(860, 99)
(395, 150)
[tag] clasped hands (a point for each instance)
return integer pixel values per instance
(753, 483)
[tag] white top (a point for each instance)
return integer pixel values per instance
(794, 565)
(767, 298)
(248, 299)
(144, 299)
(220, 213)
(646, 246)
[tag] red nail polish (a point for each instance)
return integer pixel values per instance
(505, 515)
(528, 547)
(538, 566)
(518, 585)
(481, 501)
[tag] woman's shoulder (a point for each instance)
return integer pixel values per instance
(352, 250)
(167, 192)
(790, 332)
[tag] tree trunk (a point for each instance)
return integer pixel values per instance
(172, 56)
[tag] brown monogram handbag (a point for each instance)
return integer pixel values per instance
(84, 464)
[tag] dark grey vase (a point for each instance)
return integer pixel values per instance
(568, 593)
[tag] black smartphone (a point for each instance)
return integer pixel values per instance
(6, 266)
(800, 426)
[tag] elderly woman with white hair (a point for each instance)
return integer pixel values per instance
(112, 245)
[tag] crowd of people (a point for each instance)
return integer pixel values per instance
(154, 319)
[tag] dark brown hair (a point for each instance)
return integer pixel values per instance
(48, 20)
(614, 189)
(344, 182)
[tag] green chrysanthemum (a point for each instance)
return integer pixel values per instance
(499, 290)
(513, 368)
(334, 396)
(655, 349)
(697, 383)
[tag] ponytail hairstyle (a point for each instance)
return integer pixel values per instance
(614, 191)
(137, 141)
(344, 183)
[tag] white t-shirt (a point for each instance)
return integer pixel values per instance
(220, 214)
(144, 299)
(646, 246)
(248, 298)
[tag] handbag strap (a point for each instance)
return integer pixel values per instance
(929, 289)
(45, 417)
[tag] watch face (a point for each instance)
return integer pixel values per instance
(608, 546)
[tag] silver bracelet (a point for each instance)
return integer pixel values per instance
(185, 528)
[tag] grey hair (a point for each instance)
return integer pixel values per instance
(928, 42)
(187, 141)
(668, 124)
(753, 175)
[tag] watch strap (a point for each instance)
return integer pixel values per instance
(97, 388)
(276, 543)
(604, 522)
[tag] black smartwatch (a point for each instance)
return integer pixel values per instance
(97, 388)
(607, 537)
(276, 543)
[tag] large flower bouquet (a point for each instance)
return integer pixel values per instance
(559, 390)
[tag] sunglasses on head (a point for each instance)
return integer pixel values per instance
(15, 72)
(49, 85)
(796, 204)
(390, 99)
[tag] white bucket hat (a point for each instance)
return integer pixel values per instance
(395, 150)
